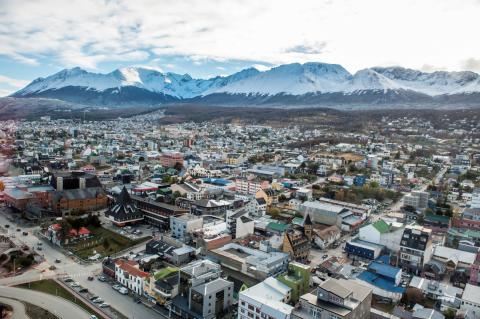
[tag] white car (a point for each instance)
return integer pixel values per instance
(116, 287)
(104, 305)
(98, 300)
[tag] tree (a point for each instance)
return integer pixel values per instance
(273, 211)
(449, 313)
(65, 229)
(414, 295)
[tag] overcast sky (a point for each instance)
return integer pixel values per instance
(217, 37)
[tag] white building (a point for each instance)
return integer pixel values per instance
(382, 233)
(184, 224)
(471, 299)
(128, 274)
(475, 202)
(267, 299)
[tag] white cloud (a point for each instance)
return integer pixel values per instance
(4, 93)
(15, 83)
(354, 33)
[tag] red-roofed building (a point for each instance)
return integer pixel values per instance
(54, 234)
(128, 274)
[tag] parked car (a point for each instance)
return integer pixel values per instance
(57, 261)
(93, 317)
(52, 267)
(18, 229)
(123, 290)
(92, 298)
(98, 300)
(102, 278)
(74, 284)
(90, 278)
(25, 233)
(68, 279)
(104, 305)
(116, 287)
(7, 226)
(83, 290)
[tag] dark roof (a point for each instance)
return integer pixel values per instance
(261, 201)
(124, 208)
(307, 221)
(413, 240)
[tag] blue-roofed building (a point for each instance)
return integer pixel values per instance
(384, 279)
(363, 249)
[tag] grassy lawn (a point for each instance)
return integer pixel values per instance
(104, 242)
(51, 287)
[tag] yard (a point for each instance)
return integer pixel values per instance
(51, 287)
(104, 242)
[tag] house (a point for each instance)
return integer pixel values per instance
(162, 287)
(383, 279)
(269, 195)
(128, 274)
(257, 207)
(335, 298)
(56, 236)
(125, 211)
(325, 237)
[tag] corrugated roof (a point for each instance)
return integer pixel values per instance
(381, 226)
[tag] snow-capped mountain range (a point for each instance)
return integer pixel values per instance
(309, 84)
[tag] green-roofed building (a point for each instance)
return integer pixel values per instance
(164, 272)
(381, 226)
(455, 235)
(277, 227)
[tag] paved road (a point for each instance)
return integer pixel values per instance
(57, 306)
(78, 272)
(18, 308)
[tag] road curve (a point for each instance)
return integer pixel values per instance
(18, 308)
(58, 306)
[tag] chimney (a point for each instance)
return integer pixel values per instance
(59, 183)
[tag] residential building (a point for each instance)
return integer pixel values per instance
(170, 159)
(416, 199)
(202, 293)
(336, 298)
(128, 274)
(297, 277)
(416, 248)
(383, 233)
(239, 223)
(183, 225)
(267, 299)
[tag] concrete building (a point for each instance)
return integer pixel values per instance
(239, 223)
(267, 299)
(254, 263)
(416, 248)
(330, 214)
(416, 199)
(202, 293)
(475, 202)
(183, 225)
(336, 298)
